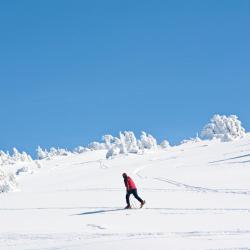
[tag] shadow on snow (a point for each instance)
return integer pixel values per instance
(100, 211)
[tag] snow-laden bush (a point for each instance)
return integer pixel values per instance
(45, 154)
(225, 128)
(6, 158)
(7, 181)
(165, 144)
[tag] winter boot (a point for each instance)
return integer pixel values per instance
(142, 203)
(128, 207)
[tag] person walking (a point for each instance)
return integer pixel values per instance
(131, 189)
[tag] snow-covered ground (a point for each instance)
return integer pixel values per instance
(197, 194)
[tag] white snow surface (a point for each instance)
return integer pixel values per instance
(197, 197)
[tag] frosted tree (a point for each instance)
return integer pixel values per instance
(41, 154)
(4, 158)
(117, 147)
(52, 152)
(122, 142)
(130, 142)
(225, 128)
(108, 139)
(147, 141)
(17, 156)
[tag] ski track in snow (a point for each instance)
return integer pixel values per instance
(188, 187)
(202, 189)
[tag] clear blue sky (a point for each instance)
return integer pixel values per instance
(72, 71)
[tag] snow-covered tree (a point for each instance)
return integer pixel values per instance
(4, 157)
(127, 143)
(108, 139)
(23, 157)
(41, 154)
(147, 141)
(122, 142)
(130, 142)
(225, 128)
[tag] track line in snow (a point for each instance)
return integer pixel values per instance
(202, 189)
(232, 158)
(193, 188)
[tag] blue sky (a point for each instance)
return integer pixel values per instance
(72, 71)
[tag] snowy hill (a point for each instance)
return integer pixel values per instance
(197, 194)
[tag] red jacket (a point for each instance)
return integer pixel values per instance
(129, 183)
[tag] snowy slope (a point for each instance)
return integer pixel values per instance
(198, 197)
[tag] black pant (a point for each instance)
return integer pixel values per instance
(134, 192)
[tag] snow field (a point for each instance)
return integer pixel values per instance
(197, 198)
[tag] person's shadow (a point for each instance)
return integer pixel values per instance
(100, 211)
